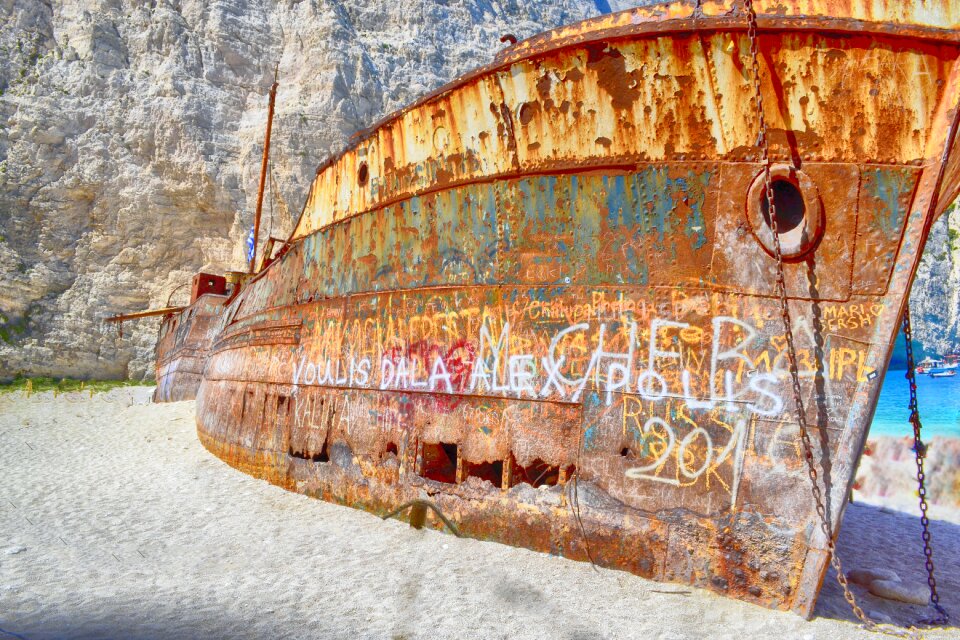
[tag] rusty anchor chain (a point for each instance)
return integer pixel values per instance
(781, 286)
(920, 452)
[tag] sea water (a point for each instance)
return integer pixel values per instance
(938, 400)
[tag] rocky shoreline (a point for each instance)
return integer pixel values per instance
(888, 475)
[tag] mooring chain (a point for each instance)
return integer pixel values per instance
(920, 452)
(763, 144)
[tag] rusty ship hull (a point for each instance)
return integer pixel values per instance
(544, 296)
(183, 345)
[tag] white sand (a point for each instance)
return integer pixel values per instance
(116, 523)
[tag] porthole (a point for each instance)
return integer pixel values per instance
(788, 206)
(798, 212)
(363, 174)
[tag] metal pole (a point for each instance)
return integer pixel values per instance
(263, 169)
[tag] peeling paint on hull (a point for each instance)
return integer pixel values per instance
(183, 345)
(543, 296)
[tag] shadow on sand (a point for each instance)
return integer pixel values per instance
(876, 537)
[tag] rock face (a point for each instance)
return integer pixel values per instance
(131, 136)
(888, 473)
(935, 298)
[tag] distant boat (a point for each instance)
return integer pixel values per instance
(943, 373)
(929, 364)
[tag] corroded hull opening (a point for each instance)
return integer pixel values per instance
(544, 296)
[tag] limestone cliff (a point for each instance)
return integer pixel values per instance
(935, 299)
(131, 136)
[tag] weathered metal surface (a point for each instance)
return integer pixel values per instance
(676, 96)
(263, 171)
(151, 313)
(204, 283)
(183, 345)
(554, 269)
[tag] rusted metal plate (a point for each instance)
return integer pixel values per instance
(152, 313)
(544, 296)
(183, 345)
(674, 96)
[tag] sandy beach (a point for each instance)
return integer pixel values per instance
(116, 523)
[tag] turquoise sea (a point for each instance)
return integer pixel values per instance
(938, 399)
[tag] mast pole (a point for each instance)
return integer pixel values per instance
(263, 169)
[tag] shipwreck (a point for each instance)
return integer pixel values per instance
(619, 295)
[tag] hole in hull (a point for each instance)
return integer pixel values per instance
(489, 471)
(788, 205)
(283, 409)
(440, 462)
(540, 474)
(321, 456)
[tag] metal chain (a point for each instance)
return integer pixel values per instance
(801, 416)
(920, 451)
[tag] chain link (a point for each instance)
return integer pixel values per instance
(825, 526)
(920, 451)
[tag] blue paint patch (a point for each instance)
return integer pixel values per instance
(616, 201)
(695, 186)
(888, 188)
(589, 438)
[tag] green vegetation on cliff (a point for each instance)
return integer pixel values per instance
(63, 385)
